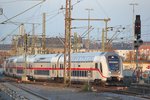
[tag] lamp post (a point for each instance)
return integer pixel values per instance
(89, 10)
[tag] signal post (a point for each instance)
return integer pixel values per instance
(137, 43)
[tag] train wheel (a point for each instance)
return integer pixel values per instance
(99, 82)
(102, 83)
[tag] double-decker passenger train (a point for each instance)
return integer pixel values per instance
(92, 66)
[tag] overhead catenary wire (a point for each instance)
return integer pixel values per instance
(23, 12)
(99, 5)
(51, 17)
(39, 24)
(13, 1)
(34, 14)
(48, 19)
(4, 2)
(9, 21)
(2, 39)
(78, 1)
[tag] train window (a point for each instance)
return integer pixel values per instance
(101, 67)
(10, 70)
(53, 68)
(79, 73)
(61, 66)
(7, 61)
(96, 65)
(41, 72)
(86, 74)
(113, 63)
(11, 61)
(78, 65)
(42, 58)
(82, 73)
(19, 71)
(72, 73)
(75, 73)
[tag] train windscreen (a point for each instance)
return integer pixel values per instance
(113, 63)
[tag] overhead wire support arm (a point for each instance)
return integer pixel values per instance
(87, 33)
(21, 23)
(91, 19)
(94, 19)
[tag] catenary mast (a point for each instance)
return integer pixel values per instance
(67, 47)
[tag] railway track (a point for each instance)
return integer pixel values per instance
(110, 89)
(17, 92)
(130, 93)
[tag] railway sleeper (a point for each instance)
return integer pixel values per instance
(140, 89)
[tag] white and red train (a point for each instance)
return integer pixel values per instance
(92, 66)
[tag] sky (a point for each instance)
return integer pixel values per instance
(119, 11)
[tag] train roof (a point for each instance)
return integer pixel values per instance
(88, 56)
(22, 58)
(43, 57)
(11, 59)
(75, 57)
(55, 59)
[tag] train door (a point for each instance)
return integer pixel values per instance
(30, 72)
(53, 73)
(4, 66)
(61, 70)
(99, 70)
(60, 66)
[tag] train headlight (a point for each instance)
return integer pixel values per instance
(109, 72)
(119, 78)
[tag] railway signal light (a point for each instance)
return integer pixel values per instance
(137, 27)
(137, 43)
(137, 33)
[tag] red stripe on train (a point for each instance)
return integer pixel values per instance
(79, 69)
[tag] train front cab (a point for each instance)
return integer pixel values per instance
(114, 69)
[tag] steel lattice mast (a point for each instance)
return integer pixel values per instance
(67, 47)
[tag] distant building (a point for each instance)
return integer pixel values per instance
(5, 51)
(124, 53)
(145, 51)
(122, 46)
(56, 45)
(52, 45)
